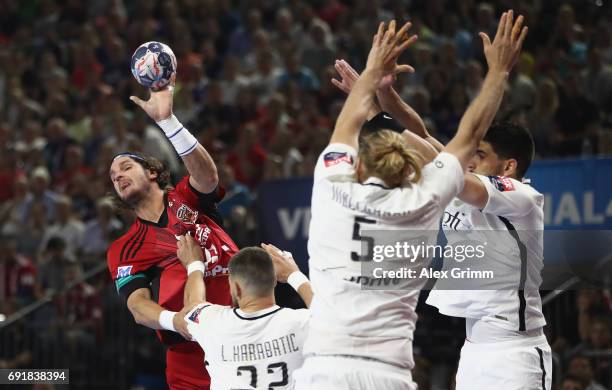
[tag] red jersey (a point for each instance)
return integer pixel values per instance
(17, 278)
(145, 256)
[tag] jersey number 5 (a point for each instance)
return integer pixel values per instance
(358, 237)
(271, 369)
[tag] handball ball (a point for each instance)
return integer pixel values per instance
(153, 65)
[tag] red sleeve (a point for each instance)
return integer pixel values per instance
(205, 203)
(127, 278)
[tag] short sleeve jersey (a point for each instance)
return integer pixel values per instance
(145, 256)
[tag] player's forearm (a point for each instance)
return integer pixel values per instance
(392, 103)
(356, 108)
(202, 170)
(195, 289)
(145, 311)
(478, 117)
(305, 292)
(481, 112)
(424, 148)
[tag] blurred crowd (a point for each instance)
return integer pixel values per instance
(254, 87)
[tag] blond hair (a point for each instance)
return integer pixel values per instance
(386, 155)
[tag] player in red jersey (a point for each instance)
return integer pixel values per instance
(143, 262)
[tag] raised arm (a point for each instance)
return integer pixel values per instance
(391, 102)
(349, 77)
(387, 45)
(501, 56)
(200, 165)
(191, 257)
(285, 267)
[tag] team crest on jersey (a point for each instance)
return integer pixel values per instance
(194, 317)
(124, 271)
(502, 183)
(186, 214)
(335, 158)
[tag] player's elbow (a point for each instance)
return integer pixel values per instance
(133, 308)
(134, 305)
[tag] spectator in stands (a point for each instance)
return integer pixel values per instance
(10, 210)
(66, 226)
(599, 339)
(17, 272)
(79, 309)
(295, 71)
(598, 336)
(52, 268)
(580, 367)
(591, 305)
(99, 232)
(570, 382)
(30, 234)
(40, 192)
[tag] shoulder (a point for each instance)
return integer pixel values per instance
(297, 315)
(336, 160)
(511, 186)
(114, 248)
(205, 310)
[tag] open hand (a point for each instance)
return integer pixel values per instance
(387, 46)
(159, 105)
(349, 77)
(503, 53)
(284, 265)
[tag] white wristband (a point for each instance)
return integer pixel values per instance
(183, 141)
(196, 266)
(166, 318)
(296, 279)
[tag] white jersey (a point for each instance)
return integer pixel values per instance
(257, 350)
(514, 211)
(346, 319)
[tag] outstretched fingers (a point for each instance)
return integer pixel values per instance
(138, 101)
(508, 24)
(522, 37)
(401, 48)
(401, 34)
(516, 29)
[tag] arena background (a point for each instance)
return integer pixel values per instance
(254, 87)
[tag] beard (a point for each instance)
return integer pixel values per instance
(134, 198)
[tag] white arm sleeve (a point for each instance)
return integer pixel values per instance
(443, 178)
(508, 197)
(336, 160)
(200, 318)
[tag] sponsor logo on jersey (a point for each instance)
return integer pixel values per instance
(217, 270)
(502, 183)
(453, 221)
(124, 271)
(186, 214)
(196, 314)
(202, 233)
(335, 158)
